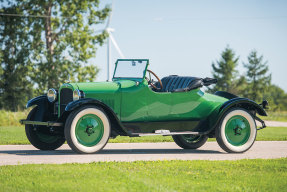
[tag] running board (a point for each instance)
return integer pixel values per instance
(48, 123)
(167, 133)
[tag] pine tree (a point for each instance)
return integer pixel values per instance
(225, 72)
(257, 76)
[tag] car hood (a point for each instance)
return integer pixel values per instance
(98, 86)
(104, 87)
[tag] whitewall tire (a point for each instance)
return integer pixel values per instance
(87, 130)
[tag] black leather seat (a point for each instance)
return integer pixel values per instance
(174, 83)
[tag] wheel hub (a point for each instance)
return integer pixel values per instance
(90, 130)
(237, 130)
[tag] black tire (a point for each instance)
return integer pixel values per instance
(248, 137)
(190, 141)
(77, 141)
(39, 137)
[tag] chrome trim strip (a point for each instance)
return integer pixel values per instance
(166, 134)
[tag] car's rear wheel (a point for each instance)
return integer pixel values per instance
(190, 141)
(40, 136)
(237, 131)
(87, 129)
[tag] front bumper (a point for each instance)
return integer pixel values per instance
(48, 123)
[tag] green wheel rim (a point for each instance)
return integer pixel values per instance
(237, 130)
(89, 130)
(191, 138)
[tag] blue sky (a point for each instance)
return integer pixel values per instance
(184, 37)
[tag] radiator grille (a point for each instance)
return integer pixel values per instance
(66, 96)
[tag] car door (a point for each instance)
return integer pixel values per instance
(134, 102)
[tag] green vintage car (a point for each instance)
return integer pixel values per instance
(86, 115)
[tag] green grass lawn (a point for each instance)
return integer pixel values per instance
(16, 135)
(241, 175)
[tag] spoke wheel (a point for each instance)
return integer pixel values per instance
(237, 131)
(190, 141)
(39, 136)
(87, 129)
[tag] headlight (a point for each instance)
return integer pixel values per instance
(52, 95)
(76, 94)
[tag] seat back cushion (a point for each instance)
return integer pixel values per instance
(174, 82)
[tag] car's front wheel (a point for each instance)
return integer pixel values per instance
(87, 130)
(237, 131)
(190, 141)
(40, 136)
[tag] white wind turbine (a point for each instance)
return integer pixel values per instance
(110, 39)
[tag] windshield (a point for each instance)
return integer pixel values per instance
(130, 69)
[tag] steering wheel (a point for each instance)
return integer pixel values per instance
(150, 81)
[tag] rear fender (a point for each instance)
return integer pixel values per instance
(217, 115)
(244, 103)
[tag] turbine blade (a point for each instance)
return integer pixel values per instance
(110, 16)
(116, 46)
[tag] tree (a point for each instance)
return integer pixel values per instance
(257, 78)
(63, 39)
(15, 87)
(225, 72)
(276, 97)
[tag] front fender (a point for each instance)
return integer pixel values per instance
(41, 100)
(75, 104)
(116, 123)
(244, 103)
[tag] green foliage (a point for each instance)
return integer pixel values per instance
(257, 78)
(8, 118)
(224, 70)
(240, 175)
(70, 40)
(277, 99)
(15, 87)
(255, 84)
(45, 51)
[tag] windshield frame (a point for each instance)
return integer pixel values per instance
(131, 78)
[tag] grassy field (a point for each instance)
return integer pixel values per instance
(8, 118)
(241, 175)
(16, 135)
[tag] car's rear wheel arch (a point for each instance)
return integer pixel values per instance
(244, 103)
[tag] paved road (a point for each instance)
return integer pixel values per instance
(274, 124)
(27, 154)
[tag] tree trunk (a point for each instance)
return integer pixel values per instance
(49, 43)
